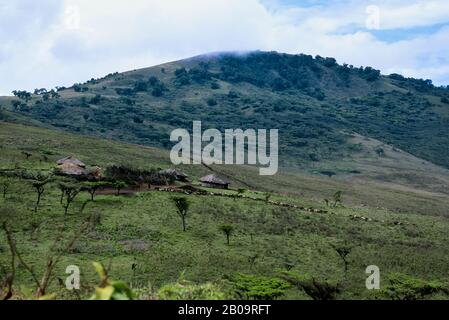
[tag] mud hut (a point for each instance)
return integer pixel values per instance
(213, 181)
(71, 166)
(71, 169)
(71, 160)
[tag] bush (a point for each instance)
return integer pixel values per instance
(404, 287)
(25, 95)
(370, 74)
(138, 120)
(380, 151)
(127, 101)
(140, 86)
(158, 87)
(211, 102)
(184, 290)
(259, 288)
(157, 92)
(136, 176)
(182, 77)
(153, 81)
(180, 72)
(396, 76)
(80, 88)
(96, 100)
(280, 84)
(124, 92)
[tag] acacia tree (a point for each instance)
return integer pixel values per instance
(228, 230)
(119, 185)
(39, 187)
(343, 252)
(252, 260)
(6, 183)
(183, 205)
(241, 191)
(62, 187)
(27, 154)
(337, 198)
(70, 193)
(267, 197)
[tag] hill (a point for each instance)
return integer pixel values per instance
(318, 106)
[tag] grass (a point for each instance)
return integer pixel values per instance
(144, 231)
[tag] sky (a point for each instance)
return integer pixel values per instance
(50, 43)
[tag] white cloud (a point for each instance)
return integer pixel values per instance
(421, 13)
(58, 43)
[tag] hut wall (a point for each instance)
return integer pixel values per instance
(214, 185)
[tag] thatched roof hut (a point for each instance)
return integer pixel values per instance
(213, 181)
(71, 166)
(71, 169)
(71, 160)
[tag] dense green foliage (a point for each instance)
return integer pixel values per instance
(185, 290)
(403, 287)
(109, 289)
(259, 288)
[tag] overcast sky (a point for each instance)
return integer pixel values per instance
(50, 43)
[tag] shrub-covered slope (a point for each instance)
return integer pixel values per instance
(315, 103)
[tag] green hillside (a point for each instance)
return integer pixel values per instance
(276, 248)
(317, 104)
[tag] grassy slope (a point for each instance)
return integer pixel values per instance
(359, 190)
(418, 246)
